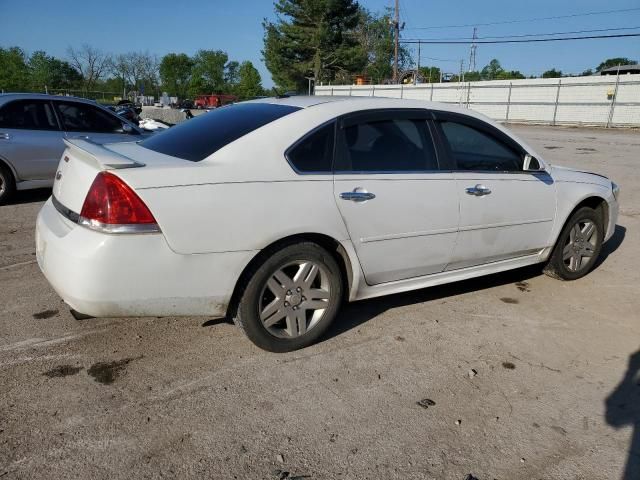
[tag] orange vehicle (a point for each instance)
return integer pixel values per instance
(214, 100)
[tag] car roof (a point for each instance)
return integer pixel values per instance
(356, 103)
(5, 97)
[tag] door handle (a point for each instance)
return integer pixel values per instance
(4, 136)
(358, 195)
(478, 191)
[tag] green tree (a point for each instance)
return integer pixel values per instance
(375, 35)
(553, 73)
(231, 75)
(51, 73)
(587, 73)
(207, 73)
(314, 38)
(492, 71)
(614, 62)
(14, 73)
(249, 81)
(430, 74)
(175, 73)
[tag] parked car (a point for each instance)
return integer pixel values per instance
(32, 130)
(274, 211)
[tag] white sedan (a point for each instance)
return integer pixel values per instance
(273, 212)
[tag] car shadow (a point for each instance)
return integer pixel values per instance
(611, 245)
(623, 409)
(29, 196)
(352, 315)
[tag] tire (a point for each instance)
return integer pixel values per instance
(289, 300)
(577, 248)
(7, 184)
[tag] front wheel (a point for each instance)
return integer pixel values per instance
(291, 299)
(578, 246)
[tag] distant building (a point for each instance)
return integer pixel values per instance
(624, 69)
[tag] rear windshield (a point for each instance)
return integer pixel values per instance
(196, 139)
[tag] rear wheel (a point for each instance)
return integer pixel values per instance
(7, 184)
(291, 299)
(578, 246)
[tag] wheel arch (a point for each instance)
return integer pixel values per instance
(597, 203)
(330, 244)
(9, 165)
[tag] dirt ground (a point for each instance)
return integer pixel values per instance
(512, 376)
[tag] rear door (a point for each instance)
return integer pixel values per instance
(400, 209)
(505, 212)
(30, 138)
(82, 120)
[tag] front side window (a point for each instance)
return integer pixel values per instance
(314, 153)
(28, 115)
(475, 150)
(80, 117)
(393, 145)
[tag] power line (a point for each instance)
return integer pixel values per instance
(529, 40)
(473, 39)
(504, 22)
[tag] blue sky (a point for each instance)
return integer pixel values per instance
(163, 26)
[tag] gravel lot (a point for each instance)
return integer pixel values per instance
(193, 398)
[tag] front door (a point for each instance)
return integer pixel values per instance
(505, 212)
(400, 210)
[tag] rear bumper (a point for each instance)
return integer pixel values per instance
(132, 275)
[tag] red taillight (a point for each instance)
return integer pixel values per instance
(110, 201)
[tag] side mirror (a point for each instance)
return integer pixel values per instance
(531, 164)
(126, 128)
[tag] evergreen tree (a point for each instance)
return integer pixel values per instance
(314, 38)
(249, 82)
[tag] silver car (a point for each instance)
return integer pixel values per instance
(32, 129)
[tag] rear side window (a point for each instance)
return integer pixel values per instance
(476, 150)
(80, 117)
(314, 153)
(394, 145)
(28, 115)
(196, 139)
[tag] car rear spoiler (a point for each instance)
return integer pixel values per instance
(104, 158)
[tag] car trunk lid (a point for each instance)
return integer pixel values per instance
(81, 162)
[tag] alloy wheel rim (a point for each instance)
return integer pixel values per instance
(580, 246)
(294, 299)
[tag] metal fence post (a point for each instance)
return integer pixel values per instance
(431, 97)
(468, 94)
(373, 91)
(332, 91)
(350, 87)
(401, 90)
(555, 108)
(613, 100)
(508, 103)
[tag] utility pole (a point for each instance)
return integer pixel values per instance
(472, 50)
(396, 47)
(415, 77)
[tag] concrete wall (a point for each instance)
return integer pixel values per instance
(595, 100)
(167, 115)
